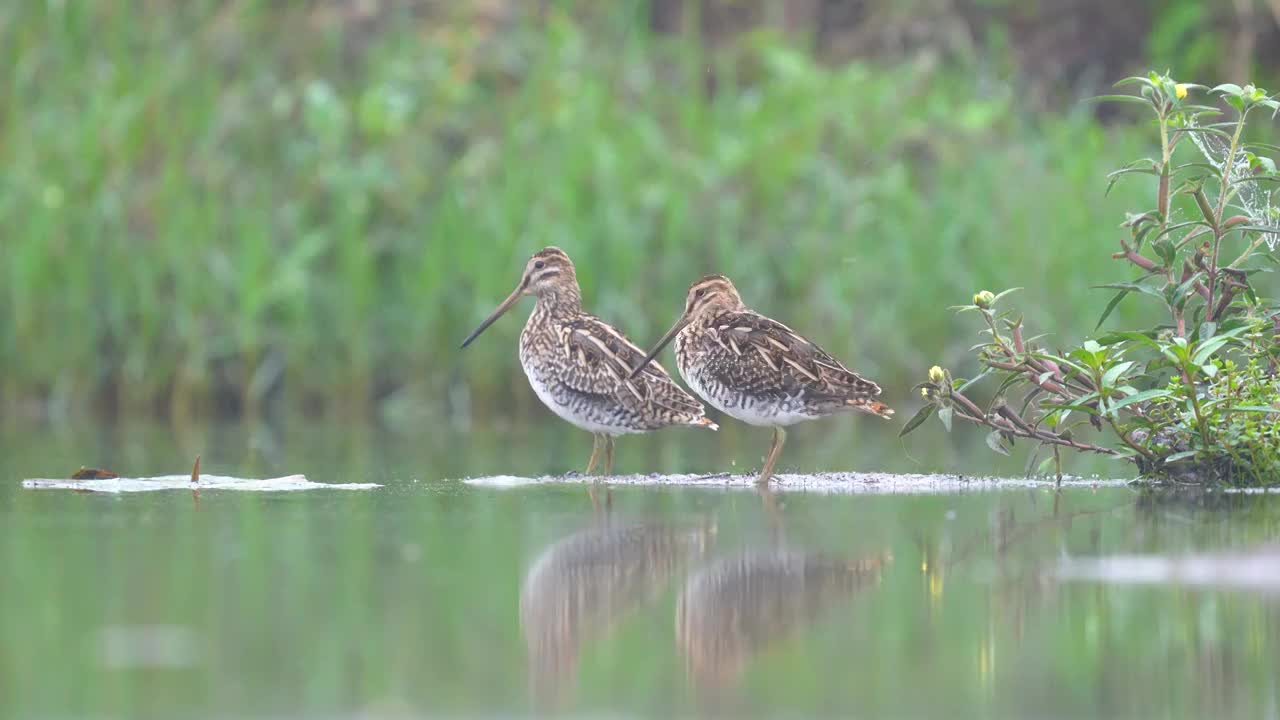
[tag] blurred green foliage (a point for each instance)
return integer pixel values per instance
(235, 207)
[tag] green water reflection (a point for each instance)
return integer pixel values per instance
(431, 596)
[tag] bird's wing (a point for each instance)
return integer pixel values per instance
(764, 354)
(601, 361)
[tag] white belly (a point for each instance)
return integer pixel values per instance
(758, 414)
(541, 389)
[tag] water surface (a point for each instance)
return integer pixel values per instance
(436, 596)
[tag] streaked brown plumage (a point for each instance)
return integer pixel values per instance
(582, 368)
(758, 370)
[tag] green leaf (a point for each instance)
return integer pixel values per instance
(1207, 348)
(1045, 466)
(1267, 164)
(1141, 397)
(1106, 312)
(1196, 165)
(1112, 338)
(1063, 362)
(995, 441)
(1256, 409)
(1228, 89)
(969, 383)
(1133, 287)
(1180, 456)
(1114, 176)
(921, 415)
(1133, 99)
(1081, 404)
(1092, 347)
(944, 414)
(1109, 377)
(1179, 295)
(1134, 80)
(1000, 295)
(1209, 369)
(1211, 129)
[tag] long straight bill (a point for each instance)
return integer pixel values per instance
(680, 323)
(497, 313)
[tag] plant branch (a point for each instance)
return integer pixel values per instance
(1040, 435)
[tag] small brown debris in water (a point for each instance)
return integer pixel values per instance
(88, 473)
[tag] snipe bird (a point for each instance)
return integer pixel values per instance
(758, 370)
(586, 371)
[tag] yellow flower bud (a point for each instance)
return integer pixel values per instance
(1180, 90)
(936, 374)
(984, 299)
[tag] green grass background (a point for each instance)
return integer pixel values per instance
(213, 208)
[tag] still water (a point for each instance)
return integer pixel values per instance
(433, 596)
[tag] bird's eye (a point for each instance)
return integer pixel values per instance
(700, 292)
(539, 265)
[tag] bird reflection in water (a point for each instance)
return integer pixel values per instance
(581, 587)
(739, 607)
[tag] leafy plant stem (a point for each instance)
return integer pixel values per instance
(1193, 397)
(1222, 206)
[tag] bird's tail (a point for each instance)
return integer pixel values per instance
(706, 423)
(875, 407)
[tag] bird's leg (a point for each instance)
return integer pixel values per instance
(595, 454)
(608, 454)
(779, 437)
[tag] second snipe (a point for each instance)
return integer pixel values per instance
(758, 370)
